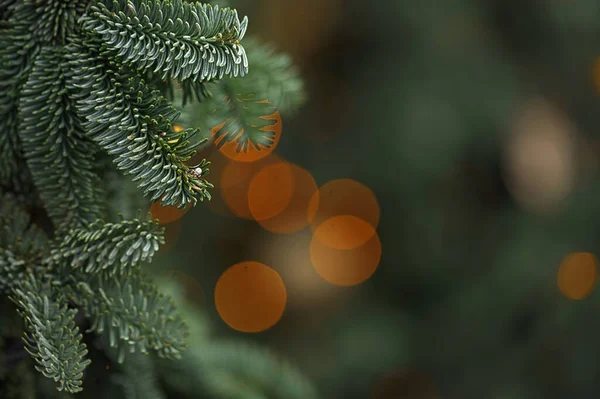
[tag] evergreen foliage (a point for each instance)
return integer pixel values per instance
(87, 140)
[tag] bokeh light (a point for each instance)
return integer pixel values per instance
(305, 288)
(344, 232)
(235, 182)
(578, 275)
(346, 267)
(167, 214)
(252, 154)
(344, 197)
(404, 384)
(596, 74)
(250, 297)
(270, 190)
(295, 216)
(540, 157)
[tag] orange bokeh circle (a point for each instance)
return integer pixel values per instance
(167, 214)
(596, 74)
(270, 190)
(346, 267)
(252, 154)
(578, 275)
(306, 289)
(295, 216)
(344, 232)
(234, 183)
(344, 197)
(250, 297)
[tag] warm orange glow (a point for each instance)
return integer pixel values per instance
(177, 128)
(345, 267)
(270, 190)
(295, 216)
(578, 275)
(235, 183)
(404, 384)
(344, 232)
(167, 214)
(305, 288)
(250, 297)
(344, 197)
(252, 154)
(596, 74)
(172, 234)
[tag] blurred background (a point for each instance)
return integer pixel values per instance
(427, 224)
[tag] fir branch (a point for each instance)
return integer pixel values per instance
(240, 106)
(273, 77)
(138, 375)
(21, 243)
(117, 248)
(243, 118)
(17, 50)
(182, 40)
(7, 7)
(188, 91)
(134, 123)
(132, 311)
(11, 270)
(58, 155)
(193, 91)
(82, 75)
(52, 20)
(52, 338)
(234, 370)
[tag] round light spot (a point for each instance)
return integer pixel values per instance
(235, 183)
(578, 275)
(345, 267)
(295, 215)
(250, 297)
(270, 190)
(344, 232)
(167, 214)
(344, 197)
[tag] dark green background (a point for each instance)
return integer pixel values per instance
(418, 100)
